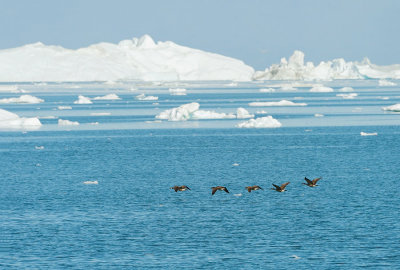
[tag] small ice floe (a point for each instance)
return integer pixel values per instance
(177, 91)
(318, 115)
(47, 117)
(321, 89)
(392, 108)
(238, 194)
(94, 123)
(91, 182)
(83, 100)
(39, 147)
(201, 114)
(38, 165)
(278, 103)
(232, 84)
(368, 134)
(144, 97)
(261, 122)
(384, 98)
(64, 107)
(347, 96)
(346, 89)
(288, 88)
(261, 112)
(267, 90)
(386, 83)
(110, 82)
(24, 99)
(235, 164)
(151, 122)
(295, 257)
(108, 97)
(100, 113)
(155, 103)
(62, 122)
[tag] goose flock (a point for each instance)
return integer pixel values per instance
(281, 188)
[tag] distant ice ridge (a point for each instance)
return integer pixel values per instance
(24, 99)
(276, 103)
(392, 108)
(191, 111)
(12, 120)
(135, 59)
(262, 122)
(296, 69)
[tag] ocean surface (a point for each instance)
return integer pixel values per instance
(53, 215)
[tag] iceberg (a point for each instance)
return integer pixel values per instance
(296, 69)
(278, 103)
(144, 97)
(200, 114)
(347, 96)
(83, 100)
(134, 59)
(24, 99)
(181, 113)
(392, 108)
(242, 113)
(62, 122)
(346, 89)
(321, 89)
(108, 97)
(262, 122)
(12, 120)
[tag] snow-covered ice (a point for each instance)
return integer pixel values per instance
(242, 113)
(24, 99)
(262, 122)
(321, 89)
(100, 113)
(276, 103)
(267, 90)
(83, 100)
(346, 89)
(181, 113)
(347, 96)
(386, 83)
(64, 107)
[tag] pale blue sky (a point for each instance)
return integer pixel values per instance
(255, 31)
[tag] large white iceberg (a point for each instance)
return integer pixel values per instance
(135, 59)
(392, 108)
(296, 69)
(83, 100)
(262, 122)
(12, 120)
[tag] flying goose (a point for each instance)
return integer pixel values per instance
(180, 188)
(249, 189)
(311, 183)
(214, 189)
(280, 188)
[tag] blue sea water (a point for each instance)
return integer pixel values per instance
(131, 219)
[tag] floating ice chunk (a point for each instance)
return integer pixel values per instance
(12, 120)
(238, 194)
(91, 182)
(108, 97)
(267, 90)
(47, 117)
(262, 122)
(200, 114)
(62, 122)
(392, 108)
(39, 147)
(100, 113)
(64, 107)
(347, 96)
(261, 112)
(346, 89)
(144, 97)
(318, 115)
(83, 100)
(181, 113)
(295, 257)
(177, 91)
(386, 83)
(368, 134)
(26, 99)
(235, 164)
(94, 123)
(321, 89)
(279, 103)
(288, 88)
(242, 113)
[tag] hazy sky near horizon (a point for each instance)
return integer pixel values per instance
(255, 31)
